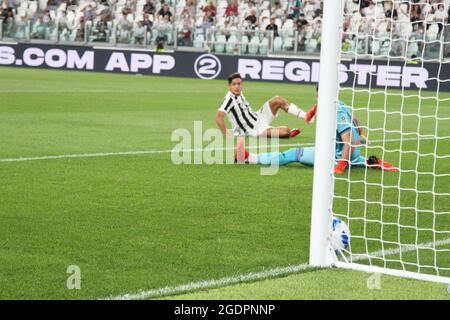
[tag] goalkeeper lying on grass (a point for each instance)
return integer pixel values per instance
(349, 138)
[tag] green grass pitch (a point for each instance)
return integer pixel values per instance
(139, 222)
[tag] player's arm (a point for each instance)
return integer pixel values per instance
(220, 120)
(363, 138)
(346, 152)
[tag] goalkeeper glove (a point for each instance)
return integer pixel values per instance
(375, 163)
(340, 167)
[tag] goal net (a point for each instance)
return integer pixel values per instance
(396, 84)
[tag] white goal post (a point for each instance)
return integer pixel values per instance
(399, 222)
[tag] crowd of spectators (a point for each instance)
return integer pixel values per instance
(369, 26)
(401, 28)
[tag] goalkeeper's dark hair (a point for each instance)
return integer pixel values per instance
(233, 76)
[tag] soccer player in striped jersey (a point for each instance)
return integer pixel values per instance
(246, 122)
(349, 138)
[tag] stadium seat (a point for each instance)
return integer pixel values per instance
(288, 44)
(154, 36)
(253, 45)
(264, 46)
(53, 14)
(42, 4)
(210, 39)
(264, 21)
(351, 5)
(288, 26)
(311, 45)
(376, 47)
(222, 4)
(279, 23)
(54, 34)
(32, 8)
(23, 5)
(360, 46)
(432, 32)
(413, 49)
(199, 40)
(352, 44)
(277, 44)
(385, 47)
(219, 44)
(264, 13)
(265, 5)
(73, 35)
(169, 35)
(244, 44)
(220, 22)
(231, 44)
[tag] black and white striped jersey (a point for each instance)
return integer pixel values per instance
(240, 113)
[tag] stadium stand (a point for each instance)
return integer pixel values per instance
(233, 26)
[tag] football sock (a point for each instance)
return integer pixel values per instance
(252, 158)
(280, 158)
(296, 111)
(302, 155)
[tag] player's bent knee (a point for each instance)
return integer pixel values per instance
(275, 102)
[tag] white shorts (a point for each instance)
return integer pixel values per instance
(265, 118)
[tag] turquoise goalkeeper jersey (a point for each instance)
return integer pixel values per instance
(344, 123)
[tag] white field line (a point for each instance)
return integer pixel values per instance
(213, 283)
(402, 249)
(252, 276)
(140, 152)
(125, 153)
